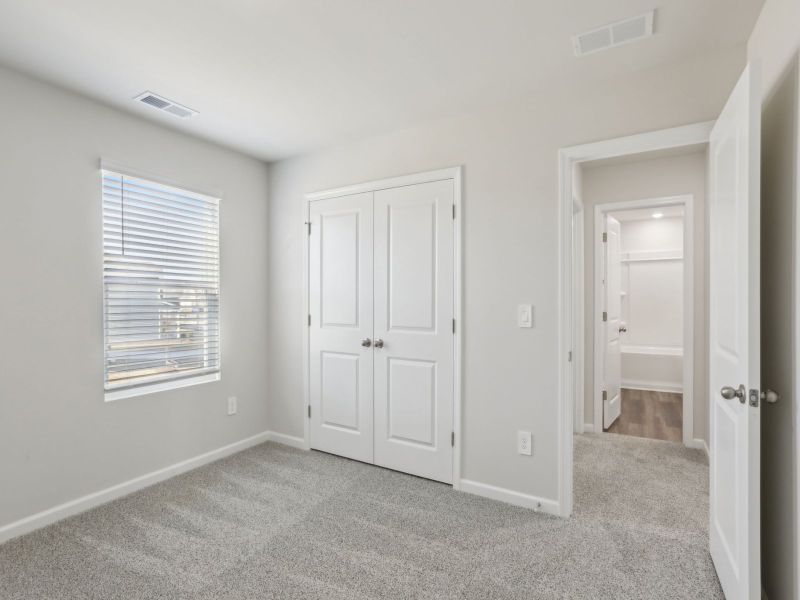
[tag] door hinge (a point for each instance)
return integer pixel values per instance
(454, 325)
(605, 316)
(309, 411)
(569, 356)
(309, 320)
(308, 226)
(452, 438)
(605, 236)
(605, 397)
(454, 211)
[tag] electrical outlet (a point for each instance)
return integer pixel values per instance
(524, 443)
(232, 405)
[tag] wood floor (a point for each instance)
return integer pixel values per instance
(655, 415)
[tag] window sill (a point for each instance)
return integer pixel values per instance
(152, 388)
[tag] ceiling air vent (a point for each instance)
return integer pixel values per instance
(161, 103)
(614, 34)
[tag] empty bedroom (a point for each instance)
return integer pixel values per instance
(389, 300)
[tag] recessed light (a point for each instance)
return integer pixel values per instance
(657, 215)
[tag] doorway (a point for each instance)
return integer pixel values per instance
(644, 292)
(382, 336)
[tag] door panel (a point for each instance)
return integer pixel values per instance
(340, 285)
(734, 341)
(612, 361)
(413, 316)
(412, 401)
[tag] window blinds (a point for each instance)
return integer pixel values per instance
(160, 282)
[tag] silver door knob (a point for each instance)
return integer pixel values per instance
(379, 343)
(770, 397)
(366, 342)
(729, 393)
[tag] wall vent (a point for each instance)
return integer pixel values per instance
(614, 34)
(168, 106)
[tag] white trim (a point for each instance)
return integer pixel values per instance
(568, 158)
(162, 386)
(652, 350)
(588, 428)
(652, 386)
(384, 184)
(84, 503)
(699, 444)
(578, 309)
(454, 173)
(687, 387)
(286, 440)
(510, 496)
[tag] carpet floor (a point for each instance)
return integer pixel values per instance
(274, 522)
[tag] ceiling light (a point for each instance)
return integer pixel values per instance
(614, 34)
(657, 215)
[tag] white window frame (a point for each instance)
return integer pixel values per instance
(181, 382)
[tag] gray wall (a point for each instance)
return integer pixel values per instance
(510, 246)
(639, 180)
(59, 438)
(774, 43)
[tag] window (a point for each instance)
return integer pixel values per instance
(160, 286)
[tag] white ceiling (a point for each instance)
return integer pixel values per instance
(279, 77)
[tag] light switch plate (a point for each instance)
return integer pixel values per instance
(524, 443)
(525, 315)
(232, 405)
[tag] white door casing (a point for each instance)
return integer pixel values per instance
(341, 313)
(414, 300)
(612, 365)
(417, 237)
(734, 340)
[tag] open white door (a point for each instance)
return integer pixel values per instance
(340, 306)
(734, 362)
(612, 317)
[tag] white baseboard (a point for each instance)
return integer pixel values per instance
(588, 428)
(84, 503)
(510, 497)
(287, 440)
(652, 386)
(699, 444)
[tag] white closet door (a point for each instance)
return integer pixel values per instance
(612, 405)
(414, 320)
(341, 368)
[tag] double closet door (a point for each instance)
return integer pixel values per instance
(381, 293)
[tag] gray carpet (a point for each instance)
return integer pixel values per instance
(273, 522)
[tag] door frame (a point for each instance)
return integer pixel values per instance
(450, 173)
(569, 378)
(600, 212)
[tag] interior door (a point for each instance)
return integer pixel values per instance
(414, 337)
(612, 365)
(734, 329)
(340, 346)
